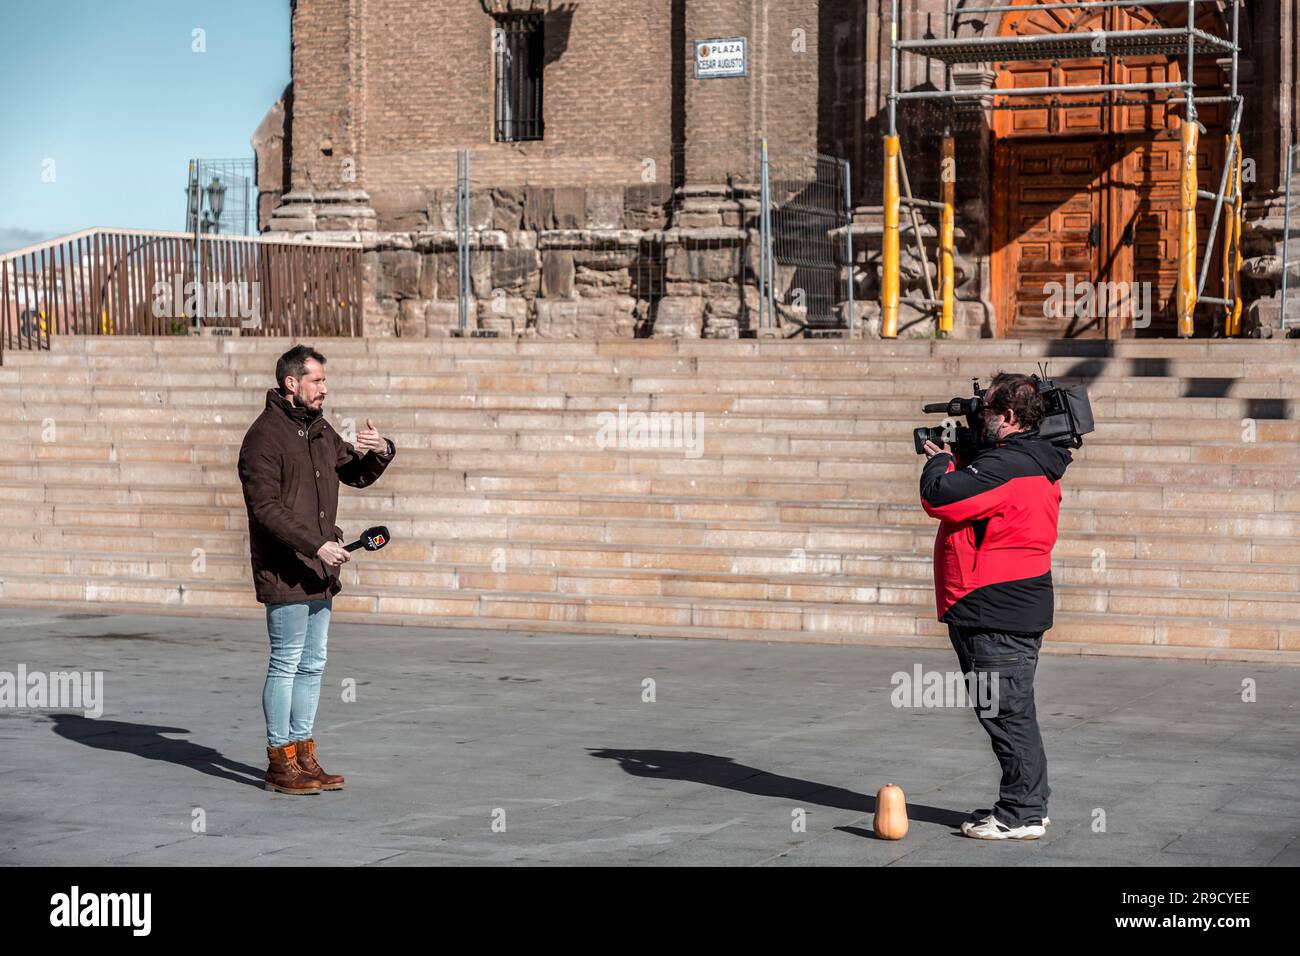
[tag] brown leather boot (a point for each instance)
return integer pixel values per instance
(307, 760)
(284, 775)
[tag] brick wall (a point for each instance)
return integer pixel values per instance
(400, 85)
(323, 118)
(397, 86)
(429, 91)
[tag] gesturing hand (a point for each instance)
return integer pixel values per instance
(369, 439)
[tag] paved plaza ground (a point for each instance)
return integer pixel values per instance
(452, 731)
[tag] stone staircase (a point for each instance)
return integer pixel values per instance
(798, 520)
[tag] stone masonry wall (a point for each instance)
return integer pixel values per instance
(602, 262)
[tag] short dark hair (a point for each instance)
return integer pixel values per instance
(1017, 393)
(294, 362)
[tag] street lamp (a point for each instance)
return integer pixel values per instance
(216, 200)
(194, 196)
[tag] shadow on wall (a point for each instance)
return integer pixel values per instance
(558, 26)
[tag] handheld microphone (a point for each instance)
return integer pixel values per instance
(372, 539)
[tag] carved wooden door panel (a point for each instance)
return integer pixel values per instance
(1054, 195)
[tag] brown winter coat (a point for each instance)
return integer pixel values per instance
(290, 466)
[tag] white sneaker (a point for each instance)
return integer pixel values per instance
(978, 815)
(990, 828)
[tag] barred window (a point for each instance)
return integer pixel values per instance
(518, 41)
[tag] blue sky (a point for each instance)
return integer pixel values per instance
(113, 92)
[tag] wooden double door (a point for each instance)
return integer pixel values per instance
(1089, 234)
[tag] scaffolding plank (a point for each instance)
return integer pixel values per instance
(1068, 46)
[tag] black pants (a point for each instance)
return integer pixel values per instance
(1013, 726)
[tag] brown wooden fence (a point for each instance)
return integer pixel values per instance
(127, 282)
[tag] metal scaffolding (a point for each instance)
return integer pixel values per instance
(221, 197)
(1290, 216)
(1187, 42)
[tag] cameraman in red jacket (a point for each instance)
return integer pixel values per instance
(993, 585)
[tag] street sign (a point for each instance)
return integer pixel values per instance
(723, 57)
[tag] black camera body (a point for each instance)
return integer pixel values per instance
(964, 438)
(1067, 417)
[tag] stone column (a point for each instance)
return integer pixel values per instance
(326, 123)
(1273, 101)
(720, 117)
(707, 239)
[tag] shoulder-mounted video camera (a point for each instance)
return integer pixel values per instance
(1067, 417)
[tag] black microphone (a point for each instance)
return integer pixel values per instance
(372, 539)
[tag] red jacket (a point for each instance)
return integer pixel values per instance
(993, 552)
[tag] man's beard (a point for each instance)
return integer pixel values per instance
(295, 401)
(991, 429)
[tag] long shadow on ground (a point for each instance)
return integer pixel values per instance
(147, 741)
(716, 771)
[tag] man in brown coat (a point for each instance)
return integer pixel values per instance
(290, 466)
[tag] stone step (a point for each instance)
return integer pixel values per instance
(27, 502)
(952, 371)
(1212, 646)
(1095, 507)
(886, 437)
(378, 575)
(621, 542)
(1242, 504)
(574, 416)
(797, 521)
(892, 420)
(1248, 511)
(1119, 399)
(857, 379)
(1026, 348)
(865, 458)
(889, 443)
(672, 616)
(1259, 530)
(876, 440)
(1176, 378)
(743, 477)
(559, 408)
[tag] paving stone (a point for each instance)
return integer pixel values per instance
(450, 725)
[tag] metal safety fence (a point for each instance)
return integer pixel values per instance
(221, 197)
(736, 249)
(806, 262)
(636, 252)
(131, 282)
(1290, 318)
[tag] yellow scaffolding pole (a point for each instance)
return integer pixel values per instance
(948, 178)
(1232, 246)
(1186, 293)
(889, 253)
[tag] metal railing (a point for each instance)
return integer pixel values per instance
(1290, 317)
(134, 282)
(662, 257)
(221, 197)
(759, 245)
(806, 252)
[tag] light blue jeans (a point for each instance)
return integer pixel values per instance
(298, 635)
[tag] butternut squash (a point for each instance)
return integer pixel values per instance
(890, 822)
